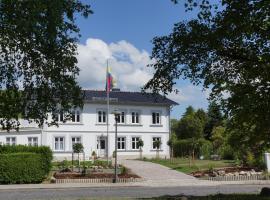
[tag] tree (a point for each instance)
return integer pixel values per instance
(140, 145)
(38, 72)
(189, 111)
(218, 137)
(78, 148)
(227, 50)
(189, 127)
(215, 118)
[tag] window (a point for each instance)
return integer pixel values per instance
(75, 140)
(11, 140)
(59, 144)
(121, 118)
(155, 139)
(32, 141)
(135, 118)
(155, 118)
(121, 143)
(134, 142)
(75, 117)
(102, 116)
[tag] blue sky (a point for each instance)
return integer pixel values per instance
(122, 30)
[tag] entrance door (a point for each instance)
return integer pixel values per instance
(101, 146)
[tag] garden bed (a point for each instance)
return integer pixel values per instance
(76, 175)
(231, 174)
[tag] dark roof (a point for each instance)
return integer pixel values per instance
(127, 97)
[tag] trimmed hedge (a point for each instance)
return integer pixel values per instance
(24, 164)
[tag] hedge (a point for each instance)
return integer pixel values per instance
(24, 164)
(185, 147)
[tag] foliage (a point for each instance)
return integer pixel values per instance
(227, 50)
(94, 154)
(218, 137)
(63, 165)
(44, 151)
(22, 168)
(140, 143)
(215, 118)
(157, 144)
(184, 148)
(78, 148)
(38, 72)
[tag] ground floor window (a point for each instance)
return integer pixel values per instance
(75, 140)
(153, 142)
(11, 141)
(121, 143)
(32, 141)
(135, 142)
(59, 143)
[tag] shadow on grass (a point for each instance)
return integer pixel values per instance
(213, 197)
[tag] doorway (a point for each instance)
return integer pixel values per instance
(101, 146)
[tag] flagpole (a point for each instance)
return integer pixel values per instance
(108, 110)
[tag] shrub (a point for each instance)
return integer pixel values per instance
(43, 162)
(45, 151)
(22, 168)
(206, 149)
(227, 153)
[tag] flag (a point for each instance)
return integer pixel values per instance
(109, 80)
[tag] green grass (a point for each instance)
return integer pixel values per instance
(182, 164)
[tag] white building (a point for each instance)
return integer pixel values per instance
(143, 116)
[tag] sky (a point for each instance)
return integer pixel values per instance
(121, 31)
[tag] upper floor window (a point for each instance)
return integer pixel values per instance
(135, 117)
(122, 118)
(155, 117)
(11, 141)
(75, 116)
(102, 116)
(32, 141)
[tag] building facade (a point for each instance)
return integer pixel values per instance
(142, 116)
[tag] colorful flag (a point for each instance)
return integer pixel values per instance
(109, 80)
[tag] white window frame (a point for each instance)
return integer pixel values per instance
(103, 116)
(122, 117)
(121, 142)
(32, 142)
(11, 141)
(135, 142)
(59, 143)
(76, 141)
(154, 139)
(136, 117)
(157, 118)
(76, 116)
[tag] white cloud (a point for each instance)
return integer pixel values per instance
(127, 62)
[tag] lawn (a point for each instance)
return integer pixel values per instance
(183, 164)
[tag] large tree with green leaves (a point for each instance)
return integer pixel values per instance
(227, 49)
(38, 59)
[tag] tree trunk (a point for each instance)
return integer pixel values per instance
(140, 153)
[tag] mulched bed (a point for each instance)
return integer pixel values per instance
(75, 175)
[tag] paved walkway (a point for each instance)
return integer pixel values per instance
(153, 171)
